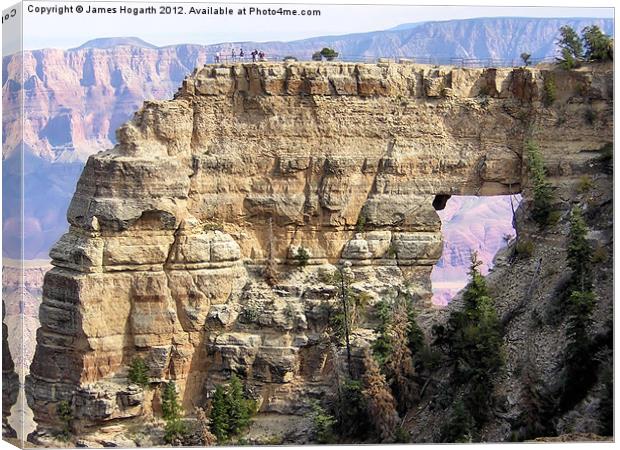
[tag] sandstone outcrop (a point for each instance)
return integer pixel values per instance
(172, 228)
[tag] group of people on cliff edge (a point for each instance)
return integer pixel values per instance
(257, 55)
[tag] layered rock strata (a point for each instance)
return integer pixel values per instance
(172, 228)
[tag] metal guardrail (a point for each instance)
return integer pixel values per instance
(426, 59)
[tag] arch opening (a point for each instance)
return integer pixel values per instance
(470, 223)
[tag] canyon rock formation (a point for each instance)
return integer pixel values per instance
(172, 229)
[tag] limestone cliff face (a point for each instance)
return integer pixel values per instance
(171, 228)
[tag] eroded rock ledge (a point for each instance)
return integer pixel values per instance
(170, 229)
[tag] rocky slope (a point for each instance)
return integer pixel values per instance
(171, 230)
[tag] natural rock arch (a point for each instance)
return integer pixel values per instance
(347, 160)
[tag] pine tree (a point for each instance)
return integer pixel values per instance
(138, 372)
(231, 410)
(382, 346)
(538, 406)
(240, 409)
(570, 47)
(176, 429)
(351, 411)
(598, 46)
(379, 400)
(578, 360)
(219, 415)
(472, 342)
(579, 373)
(171, 408)
(579, 253)
(415, 335)
(543, 194)
(526, 58)
(459, 425)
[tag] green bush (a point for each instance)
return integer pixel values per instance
(250, 312)
(138, 372)
(322, 423)
(351, 411)
(176, 432)
(554, 217)
(360, 225)
(302, 257)
(316, 56)
(65, 414)
(585, 184)
(213, 226)
(231, 410)
(416, 335)
(459, 425)
(402, 436)
(524, 248)
(391, 251)
(549, 90)
(599, 255)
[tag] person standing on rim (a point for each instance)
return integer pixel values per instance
(233, 55)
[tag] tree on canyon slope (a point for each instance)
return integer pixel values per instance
(472, 343)
(379, 400)
(138, 372)
(231, 410)
(579, 358)
(541, 188)
(399, 366)
(176, 429)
